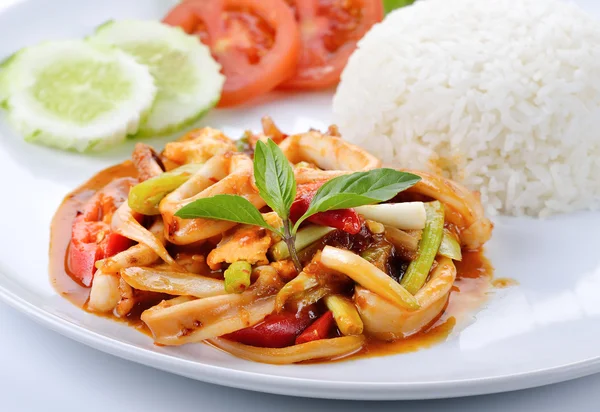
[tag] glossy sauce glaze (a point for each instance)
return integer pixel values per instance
(472, 287)
(60, 235)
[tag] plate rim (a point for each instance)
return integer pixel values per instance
(302, 387)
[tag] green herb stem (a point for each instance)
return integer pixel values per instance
(290, 241)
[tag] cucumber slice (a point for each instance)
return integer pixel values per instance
(5, 77)
(75, 95)
(188, 78)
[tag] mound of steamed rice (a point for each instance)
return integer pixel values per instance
(503, 96)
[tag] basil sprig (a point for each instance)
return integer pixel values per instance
(277, 186)
(224, 207)
(274, 178)
(359, 189)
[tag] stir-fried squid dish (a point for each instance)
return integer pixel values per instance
(274, 248)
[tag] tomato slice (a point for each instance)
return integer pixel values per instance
(330, 30)
(256, 41)
(91, 236)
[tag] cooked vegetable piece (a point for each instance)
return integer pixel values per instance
(418, 270)
(92, 238)
(189, 80)
(124, 223)
(406, 245)
(311, 296)
(405, 216)
(319, 329)
(344, 219)
(375, 227)
(319, 349)
(276, 331)
(450, 246)
(237, 277)
(304, 238)
(368, 275)
(347, 191)
(379, 255)
(74, 95)
(138, 255)
(145, 197)
(299, 284)
(345, 314)
(172, 283)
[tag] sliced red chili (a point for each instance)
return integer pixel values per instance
(276, 331)
(320, 329)
(344, 219)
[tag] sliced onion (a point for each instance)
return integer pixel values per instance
(300, 284)
(138, 255)
(318, 349)
(405, 216)
(125, 224)
(172, 283)
(406, 245)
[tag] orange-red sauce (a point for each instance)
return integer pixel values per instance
(60, 235)
(474, 276)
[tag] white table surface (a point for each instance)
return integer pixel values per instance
(43, 371)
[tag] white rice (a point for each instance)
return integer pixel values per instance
(503, 96)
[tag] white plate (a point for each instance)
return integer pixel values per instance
(545, 330)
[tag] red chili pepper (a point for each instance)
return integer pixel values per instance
(344, 219)
(276, 331)
(320, 329)
(91, 236)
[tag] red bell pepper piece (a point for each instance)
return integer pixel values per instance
(320, 329)
(276, 331)
(344, 219)
(91, 235)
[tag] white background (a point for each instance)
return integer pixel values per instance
(42, 371)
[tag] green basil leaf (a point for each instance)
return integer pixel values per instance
(360, 189)
(274, 177)
(224, 207)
